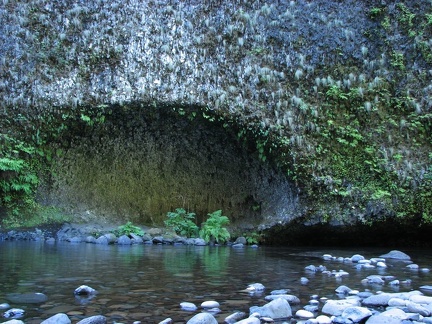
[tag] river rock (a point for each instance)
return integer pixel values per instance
(240, 240)
(420, 299)
(102, 240)
(375, 279)
(85, 290)
(377, 300)
(90, 239)
(413, 266)
(289, 298)
(355, 314)
(323, 319)
(357, 258)
(97, 319)
(255, 287)
(57, 319)
(136, 239)
(342, 289)
(210, 304)
(166, 321)
(124, 240)
(417, 308)
(336, 307)
(4, 306)
(249, 320)
(202, 318)
(395, 254)
(75, 239)
(189, 307)
(396, 302)
(14, 321)
(14, 313)
(235, 317)
(304, 314)
(276, 309)
(392, 316)
(27, 298)
(200, 242)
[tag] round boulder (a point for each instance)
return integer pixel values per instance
(202, 318)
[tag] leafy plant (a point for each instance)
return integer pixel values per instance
(252, 238)
(128, 229)
(212, 228)
(182, 223)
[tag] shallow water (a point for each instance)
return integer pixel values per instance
(148, 282)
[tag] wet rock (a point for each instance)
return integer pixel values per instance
(166, 321)
(189, 307)
(27, 298)
(357, 257)
(336, 307)
(255, 287)
(210, 304)
(289, 298)
(14, 321)
(392, 316)
(200, 242)
(413, 266)
(124, 240)
(420, 299)
(426, 287)
(304, 314)
(14, 313)
(304, 280)
(235, 317)
(374, 279)
(85, 290)
(355, 314)
(90, 239)
(202, 318)
(75, 239)
(240, 240)
(417, 308)
(57, 319)
(343, 289)
(395, 254)
(97, 319)
(238, 246)
(4, 306)
(323, 319)
(136, 239)
(250, 320)
(377, 300)
(397, 302)
(276, 309)
(279, 292)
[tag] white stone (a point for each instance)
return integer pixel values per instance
(210, 304)
(304, 314)
(323, 319)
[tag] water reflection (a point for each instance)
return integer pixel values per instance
(148, 283)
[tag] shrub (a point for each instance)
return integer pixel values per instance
(182, 223)
(212, 228)
(128, 229)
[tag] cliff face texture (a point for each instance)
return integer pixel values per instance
(314, 112)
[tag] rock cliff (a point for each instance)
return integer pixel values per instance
(275, 111)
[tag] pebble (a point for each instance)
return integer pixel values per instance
(190, 307)
(210, 304)
(304, 314)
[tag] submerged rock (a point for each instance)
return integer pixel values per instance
(57, 319)
(276, 309)
(27, 298)
(202, 318)
(396, 254)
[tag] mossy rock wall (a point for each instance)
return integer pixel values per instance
(143, 162)
(335, 94)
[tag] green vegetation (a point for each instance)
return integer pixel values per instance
(182, 222)
(213, 228)
(128, 229)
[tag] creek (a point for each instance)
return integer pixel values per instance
(148, 282)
